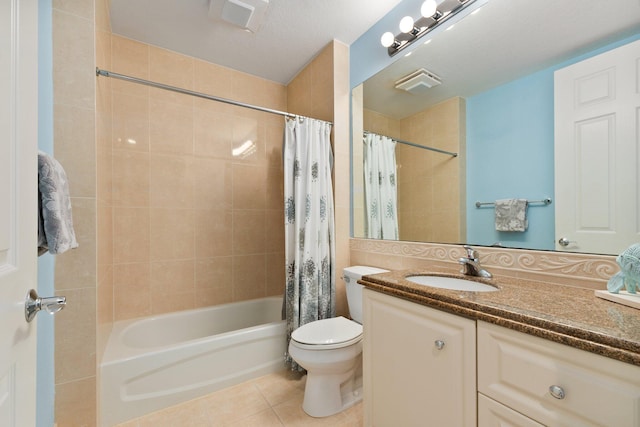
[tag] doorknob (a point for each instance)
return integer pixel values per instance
(565, 242)
(34, 304)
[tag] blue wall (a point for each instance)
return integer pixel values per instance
(510, 155)
(45, 364)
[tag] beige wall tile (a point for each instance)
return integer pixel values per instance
(248, 186)
(247, 144)
(73, 60)
(130, 182)
(75, 148)
(76, 268)
(171, 181)
(75, 329)
(172, 277)
(131, 58)
(172, 69)
(213, 184)
(249, 235)
(130, 122)
(172, 234)
(131, 290)
(171, 127)
(249, 276)
(212, 133)
(131, 235)
(213, 232)
(214, 273)
(75, 403)
(213, 80)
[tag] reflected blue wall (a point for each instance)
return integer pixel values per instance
(510, 155)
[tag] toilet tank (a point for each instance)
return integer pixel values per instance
(351, 275)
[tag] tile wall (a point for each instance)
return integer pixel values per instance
(197, 185)
(74, 27)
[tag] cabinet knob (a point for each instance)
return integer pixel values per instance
(556, 391)
(439, 344)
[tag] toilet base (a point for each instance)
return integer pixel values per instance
(327, 395)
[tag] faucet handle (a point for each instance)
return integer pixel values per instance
(471, 253)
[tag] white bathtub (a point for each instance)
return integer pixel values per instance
(155, 362)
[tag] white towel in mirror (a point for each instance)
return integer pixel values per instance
(511, 215)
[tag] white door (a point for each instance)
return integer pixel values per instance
(597, 113)
(18, 208)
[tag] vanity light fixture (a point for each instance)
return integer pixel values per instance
(433, 13)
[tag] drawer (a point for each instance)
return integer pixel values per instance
(493, 414)
(519, 371)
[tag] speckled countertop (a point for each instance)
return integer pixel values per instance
(568, 315)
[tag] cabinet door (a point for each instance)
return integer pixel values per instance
(419, 365)
(493, 414)
(554, 384)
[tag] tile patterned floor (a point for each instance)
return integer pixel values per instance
(274, 400)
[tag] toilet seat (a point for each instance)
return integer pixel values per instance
(327, 334)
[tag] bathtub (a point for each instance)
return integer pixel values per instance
(155, 362)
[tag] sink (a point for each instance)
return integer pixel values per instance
(452, 283)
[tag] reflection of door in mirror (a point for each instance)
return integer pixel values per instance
(596, 152)
(431, 185)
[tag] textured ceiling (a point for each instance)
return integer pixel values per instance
(292, 33)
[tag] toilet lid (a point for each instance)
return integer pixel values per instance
(328, 332)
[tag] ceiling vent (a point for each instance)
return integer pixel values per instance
(418, 82)
(247, 14)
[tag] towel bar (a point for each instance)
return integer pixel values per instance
(546, 201)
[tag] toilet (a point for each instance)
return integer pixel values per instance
(331, 352)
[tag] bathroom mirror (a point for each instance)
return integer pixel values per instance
(508, 48)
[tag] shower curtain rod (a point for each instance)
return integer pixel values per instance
(106, 73)
(413, 144)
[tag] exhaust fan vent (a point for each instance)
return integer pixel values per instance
(418, 82)
(247, 14)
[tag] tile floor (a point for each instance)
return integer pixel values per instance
(274, 400)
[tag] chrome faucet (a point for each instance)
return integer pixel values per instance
(471, 264)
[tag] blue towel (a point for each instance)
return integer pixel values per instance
(55, 221)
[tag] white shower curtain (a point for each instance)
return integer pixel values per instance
(380, 189)
(309, 224)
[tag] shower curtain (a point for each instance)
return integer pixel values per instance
(309, 224)
(381, 194)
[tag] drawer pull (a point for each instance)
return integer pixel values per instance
(556, 391)
(439, 344)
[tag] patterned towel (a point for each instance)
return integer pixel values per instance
(511, 215)
(55, 222)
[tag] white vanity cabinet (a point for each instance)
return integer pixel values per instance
(419, 365)
(552, 384)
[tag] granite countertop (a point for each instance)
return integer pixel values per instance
(568, 315)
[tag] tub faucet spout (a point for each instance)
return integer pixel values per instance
(471, 264)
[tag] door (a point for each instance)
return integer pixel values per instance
(597, 113)
(18, 208)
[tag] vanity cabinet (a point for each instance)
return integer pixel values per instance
(552, 384)
(419, 365)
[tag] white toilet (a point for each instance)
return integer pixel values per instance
(331, 352)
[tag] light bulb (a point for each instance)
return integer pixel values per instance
(387, 39)
(406, 24)
(429, 8)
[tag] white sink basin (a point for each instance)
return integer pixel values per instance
(452, 283)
